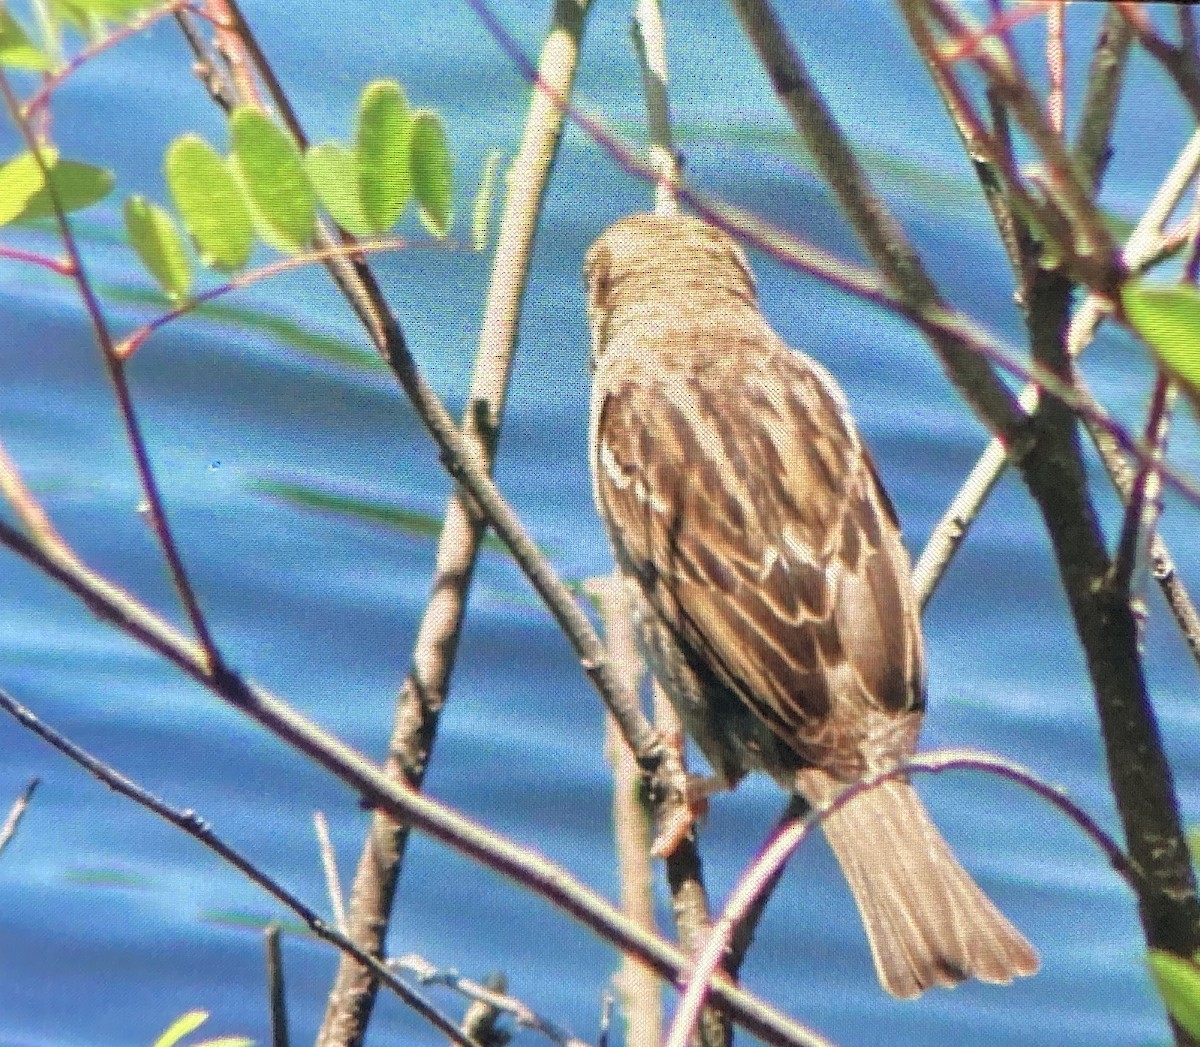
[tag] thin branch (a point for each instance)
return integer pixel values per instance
(649, 43)
(1141, 512)
(276, 993)
(426, 688)
(140, 22)
(951, 529)
(333, 879)
(527, 868)
(16, 812)
(1178, 61)
(766, 868)
(428, 974)
(1056, 66)
(1105, 80)
(875, 226)
(638, 988)
(60, 266)
(465, 466)
(133, 431)
(197, 828)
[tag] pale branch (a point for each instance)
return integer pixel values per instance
(459, 459)
(333, 879)
(425, 690)
(16, 812)
(649, 42)
(196, 827)
(638, 988)
(497, 999)
(521, 865)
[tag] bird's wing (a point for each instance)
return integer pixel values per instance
(738, 493)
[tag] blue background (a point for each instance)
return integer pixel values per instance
(112, 923)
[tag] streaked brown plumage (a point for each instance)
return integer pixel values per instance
(771, 588)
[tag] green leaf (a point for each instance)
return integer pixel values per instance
(482, 214)
(1178, 982)
(333, 170)
(181, 1027)
(272, 171)
(79, 185)
(433, 179)
(1168, 320)
(20, 179)
(384, 178)
(16, 49)
(112, 10)
(207, 196)
(157, 242)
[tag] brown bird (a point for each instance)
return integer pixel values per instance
(772, 593)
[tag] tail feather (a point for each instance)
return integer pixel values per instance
(927, 921)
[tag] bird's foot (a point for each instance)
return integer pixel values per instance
(686, 803)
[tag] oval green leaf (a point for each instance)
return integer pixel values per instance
(1178, 982)
(207, 196)
(384, 178)
(1168, 320)
(157, 242)
(181, 1027)
(432, 173)
(20, 180)
(273, 174)
(112, 10)
(333, 170)
(78, 186)
(16, 49)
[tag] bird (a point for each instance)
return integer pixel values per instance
(769, 585)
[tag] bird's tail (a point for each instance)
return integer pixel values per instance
(927, 921)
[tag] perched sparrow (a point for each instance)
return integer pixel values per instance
(771, 590)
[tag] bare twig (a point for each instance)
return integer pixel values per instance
(951, 529)
(527, 868)
(1178, 61)
(428, 974)
(1056, 66)
(638, 988)
(1141, 512)
(197, 828)
(875, 226)
(333, 879)
(649, 42)
(141, 456)
(425, 690)
(276, 992)
(765, 869)
(16, 812)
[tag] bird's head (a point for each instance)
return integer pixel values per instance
(662, 262)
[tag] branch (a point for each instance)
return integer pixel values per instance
(527, 868)
(276, 995)
(358, 284)
(197, 828)
(141, 456)
(765, 870)
(880, 233)
(427, 974)
(424, 692)
(16, 812)
(951, 529)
